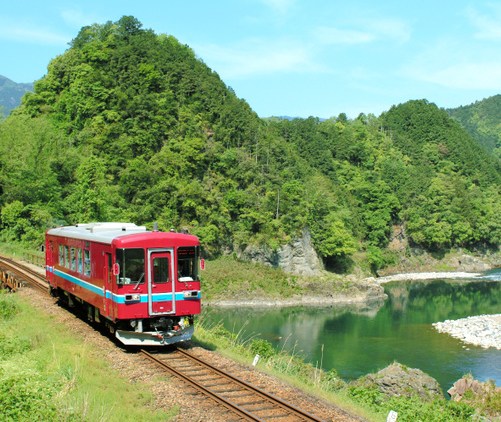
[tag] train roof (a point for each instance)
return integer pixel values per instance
(108, 232)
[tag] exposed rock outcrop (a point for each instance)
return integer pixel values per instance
(484, 396)
(471, 385)
(396, 380)
(298, 257)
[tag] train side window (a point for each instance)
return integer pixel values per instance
(131, 263)
(73, 254)
(61, 255)
(66, 257)
(86, 262)
(80, 262)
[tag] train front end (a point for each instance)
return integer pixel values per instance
(157, 287)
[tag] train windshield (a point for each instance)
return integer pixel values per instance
(131, 263)
(187, 263)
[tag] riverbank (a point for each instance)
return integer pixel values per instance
(481, 330)
(427, 276)
(327, 291)
(362, 294)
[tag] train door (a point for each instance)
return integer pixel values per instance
(108, 285)
(50, 261)
(161, 292)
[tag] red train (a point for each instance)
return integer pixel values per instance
(143, 285)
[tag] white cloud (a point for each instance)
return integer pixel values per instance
(257, 57)
(280, 6)
(488, 26)
(458, 64)
(371, 31)
(77, 18)
(330, 35)
(468, 76)
(387, 28)
(31, 34)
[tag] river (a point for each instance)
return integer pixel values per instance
(358, 342)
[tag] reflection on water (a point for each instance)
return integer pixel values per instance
(357, 342)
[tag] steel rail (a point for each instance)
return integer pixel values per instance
(234, 408)
(270, 398)
(25, 273)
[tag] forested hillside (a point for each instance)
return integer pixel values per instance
(482, 120)
(130, 125)
(10, 94)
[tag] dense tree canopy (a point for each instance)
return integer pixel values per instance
(130, 125)
(482, 121)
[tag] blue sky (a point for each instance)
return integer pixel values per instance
(293, 57)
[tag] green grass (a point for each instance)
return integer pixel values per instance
(228, 277)
(48, 373)
(19, 251)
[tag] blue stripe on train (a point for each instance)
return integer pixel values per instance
(79, 282)
(156, 297)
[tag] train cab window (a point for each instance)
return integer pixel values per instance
(187, 263)
(86, 262)
(160, 270)
(131, 262)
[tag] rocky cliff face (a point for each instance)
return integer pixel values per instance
(298, 257)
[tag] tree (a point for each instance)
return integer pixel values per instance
(90, 199)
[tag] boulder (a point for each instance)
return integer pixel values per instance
(397, 380)
(474, 387)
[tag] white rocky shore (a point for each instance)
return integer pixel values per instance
(482, 330)
(425, 276)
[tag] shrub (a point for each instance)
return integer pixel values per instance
(10, 346)
(331, 381)
(262, 347)
(412, 409)
(26, 396)
(8, 308)
(369, 396)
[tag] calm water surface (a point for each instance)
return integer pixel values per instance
(359, 342)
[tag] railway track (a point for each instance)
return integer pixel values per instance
(14, 275)
(245, 401)
(241, 400)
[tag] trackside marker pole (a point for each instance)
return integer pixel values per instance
(256, 360)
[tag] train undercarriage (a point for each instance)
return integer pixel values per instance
(154, 331)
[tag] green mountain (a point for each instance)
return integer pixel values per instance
(130, 125)
(11, 94)
(482, 120)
